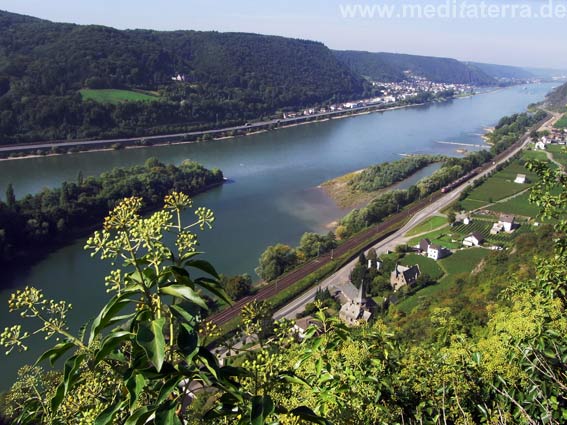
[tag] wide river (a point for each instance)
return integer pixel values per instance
(273, 197)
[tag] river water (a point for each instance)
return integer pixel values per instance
(273, 196)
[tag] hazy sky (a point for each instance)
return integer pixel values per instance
(497, 37)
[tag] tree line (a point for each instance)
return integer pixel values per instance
(36, 223)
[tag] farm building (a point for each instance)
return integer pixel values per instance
(474, 239)
(403, 276)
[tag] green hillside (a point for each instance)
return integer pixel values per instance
(226, 78)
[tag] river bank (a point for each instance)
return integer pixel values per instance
(88, 146)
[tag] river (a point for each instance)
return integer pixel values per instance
(273, 196)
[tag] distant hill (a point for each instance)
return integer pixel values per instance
(227, 78)
(557, 99)
(390, 67)
(548, 73)
(503, 71)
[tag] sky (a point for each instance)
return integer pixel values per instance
(509, 33)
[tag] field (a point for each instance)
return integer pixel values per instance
(519, 206)
(430, 224)
(501, 185)
(426, 265)
(562, 123)
(463, 261)
(117, 96)
(445, 237)
(537, 155)
(559, 154)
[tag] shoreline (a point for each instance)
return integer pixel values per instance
(322, 119)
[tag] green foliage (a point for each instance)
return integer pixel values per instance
(386, 174)
(312, 245)
(490, 350)
(37, 223)
(237, 286)
(276, 260)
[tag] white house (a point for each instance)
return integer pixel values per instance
(467, 220)
(474, 239)
(436, 252)
(520, 179)
(540, 145)
(508, 222)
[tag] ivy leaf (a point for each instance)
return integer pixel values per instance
(185, 293)
(104, 318)
(107, 415)
(204, 266)
(262, 407)
(188, 341)
(135, 384)
(69, 377)
(150, 338)
(110, 343)
(165, 415)
(167, 389)
(54, 353)
(309, 415)
(140, 416)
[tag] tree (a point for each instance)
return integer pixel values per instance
(10, 197)
(276, 260)
(237, 286)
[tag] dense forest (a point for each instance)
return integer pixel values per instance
(390, 67)
(36, 223)
(228, 78)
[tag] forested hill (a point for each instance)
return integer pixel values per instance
(228, 78)
(390, 67)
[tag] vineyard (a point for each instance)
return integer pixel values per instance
(483, 227)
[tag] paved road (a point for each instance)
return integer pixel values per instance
(291, 310)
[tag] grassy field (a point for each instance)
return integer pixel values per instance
(426, 265)
(117, 96)
(463, 261)
(445, 237)
(562, 123)
(537, 155)
(518, 206)
(501, 185)
(432, 223)
(559, 153)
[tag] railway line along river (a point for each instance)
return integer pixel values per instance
(273, 196)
